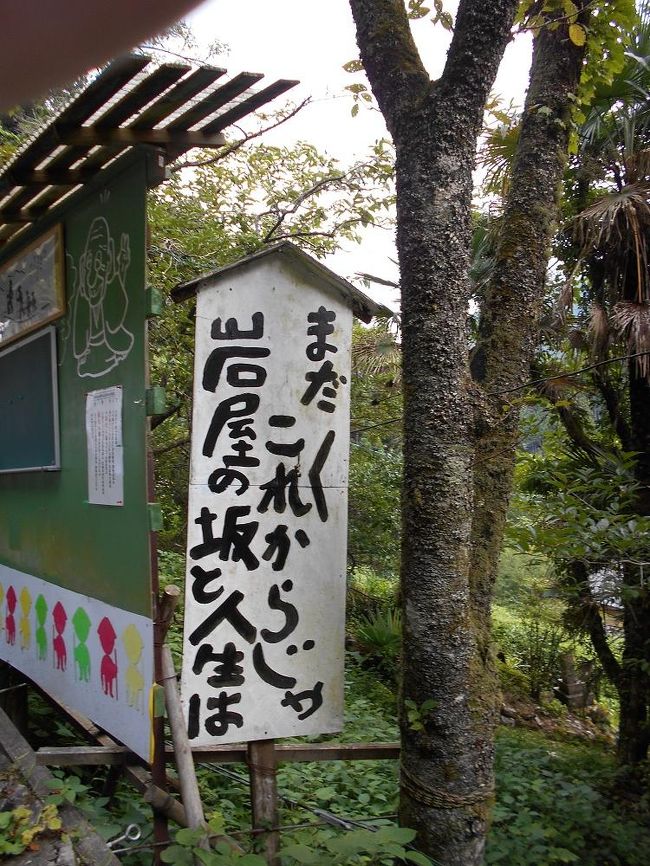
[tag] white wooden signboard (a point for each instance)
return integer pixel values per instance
(265, 589)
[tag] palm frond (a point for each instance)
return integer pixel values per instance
(632, 321)
(497, 154)
(376, 351)
(598, 331)
(617, 228)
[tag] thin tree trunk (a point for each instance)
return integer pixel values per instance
(634, 690)
(509, 326)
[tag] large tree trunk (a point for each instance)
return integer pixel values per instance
(633, 693)
(447, 772)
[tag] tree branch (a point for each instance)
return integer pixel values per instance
(471, 55)
(574, 429)
(532, 382)
(236, 145)
(613, 405)
(592, 620)
(390, 57)
(160, 419)
(282, 215)
(163, 449)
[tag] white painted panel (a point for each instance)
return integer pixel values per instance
(94, 657)
(281, 626)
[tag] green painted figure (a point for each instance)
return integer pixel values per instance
(40, 607)
(81, 624)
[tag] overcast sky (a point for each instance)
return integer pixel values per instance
(310, 40)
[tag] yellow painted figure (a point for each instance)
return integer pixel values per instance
(25, 625)
(133, 646)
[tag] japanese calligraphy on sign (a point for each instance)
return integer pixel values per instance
(31, 287)
(266, 557)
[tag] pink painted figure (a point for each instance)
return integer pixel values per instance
(60, 618)
(108, 669)
(10, 622)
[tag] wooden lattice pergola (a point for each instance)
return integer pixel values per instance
(134, 101)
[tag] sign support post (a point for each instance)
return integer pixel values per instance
(263, 770)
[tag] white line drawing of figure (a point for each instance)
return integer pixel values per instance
(100, 340)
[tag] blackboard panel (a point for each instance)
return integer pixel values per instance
(29, 423)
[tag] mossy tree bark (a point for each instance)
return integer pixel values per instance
(458, 439)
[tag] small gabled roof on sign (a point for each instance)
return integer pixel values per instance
(362, 306)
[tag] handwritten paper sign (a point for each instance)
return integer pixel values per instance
(105, 448)
(265, 589)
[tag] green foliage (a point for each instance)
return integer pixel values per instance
(553, 807)
(20, 827)
(108, 816)
(359, 846)
(188, 850)
(416, 715)
(580, 510)
(512, 680)
(378, 637)
(531, 639)
(375, 456)
(607, 32)
(555, 708)
(516, 571)
(374, 506)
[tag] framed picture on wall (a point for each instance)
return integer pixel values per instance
(32, 286)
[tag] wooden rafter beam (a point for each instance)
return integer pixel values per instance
(51, 177)
(20, 217)
(91, 136)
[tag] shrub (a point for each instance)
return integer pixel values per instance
(552, 807)
(512, 680)
(378, 637)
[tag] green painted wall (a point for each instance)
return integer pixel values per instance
(47, 526)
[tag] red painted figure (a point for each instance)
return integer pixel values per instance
(10, 622)
(108, 670)
(60, 618)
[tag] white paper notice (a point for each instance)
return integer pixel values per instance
(105, 449)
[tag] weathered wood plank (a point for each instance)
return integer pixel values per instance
(98, 92)
(64, 756)
(252, 103)
(83, 756)
(263, 769)
(87, 842)
(214, 101)
(142, 94)
(91, 136)
(177, 97)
